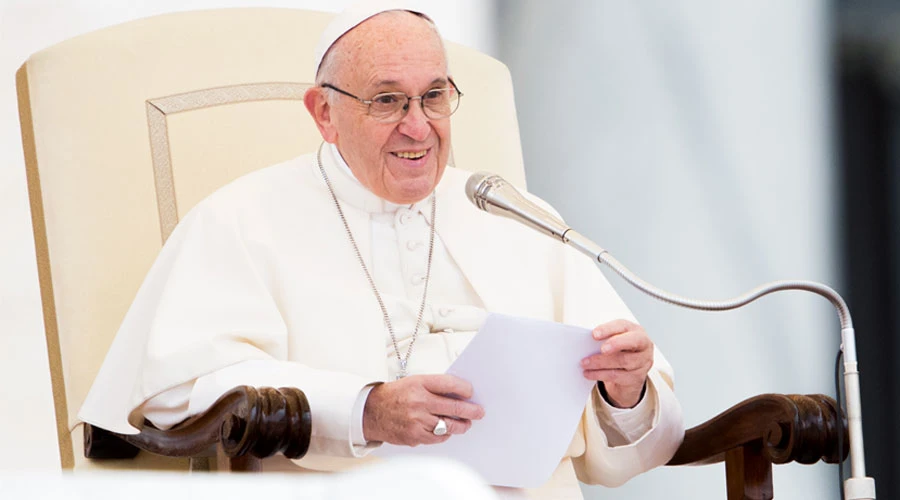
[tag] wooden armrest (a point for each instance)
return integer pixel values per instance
(249, 423)
(769, 428)
(244, 421)
(789, 428)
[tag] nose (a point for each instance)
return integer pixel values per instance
(415, 124)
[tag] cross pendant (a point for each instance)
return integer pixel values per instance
(402, 373)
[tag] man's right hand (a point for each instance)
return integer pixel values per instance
(406, 411)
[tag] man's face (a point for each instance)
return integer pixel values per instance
(401, 162)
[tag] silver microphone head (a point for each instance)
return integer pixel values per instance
(493, 194)
(478, 186)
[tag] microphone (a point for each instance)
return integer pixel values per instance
(494, 195)
(491, 193)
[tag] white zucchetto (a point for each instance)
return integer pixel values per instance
(352, 17)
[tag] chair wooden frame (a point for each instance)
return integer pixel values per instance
(248, 424)
(243, 426)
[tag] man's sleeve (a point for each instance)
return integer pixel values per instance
(332, 423)
(609, 463)
(207, 305)
(611, 456)
(624, 425)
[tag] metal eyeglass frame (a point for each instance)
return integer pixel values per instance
(405, 108)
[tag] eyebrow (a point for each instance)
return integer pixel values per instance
(442, 80)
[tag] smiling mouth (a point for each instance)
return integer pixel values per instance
(410, 155)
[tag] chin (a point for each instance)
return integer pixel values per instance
(417, 188)
(412, 193)
(415, 196)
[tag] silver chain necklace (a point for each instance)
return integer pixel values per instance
(404, 361)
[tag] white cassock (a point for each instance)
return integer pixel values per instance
(259, 285)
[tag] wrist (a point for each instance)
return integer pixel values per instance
(621, 400)
(370, 415)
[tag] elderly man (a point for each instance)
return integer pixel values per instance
(352, 273)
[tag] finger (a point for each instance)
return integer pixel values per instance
(618, 377)
(460, 426)
(448, 385)
(637, 369)
(599, 362)
(615, 327)
(456, 408)
(602, 375)
(617, 361)
(430, 438)
(630, 341)
(454, 425)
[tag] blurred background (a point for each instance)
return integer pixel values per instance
(710, 146)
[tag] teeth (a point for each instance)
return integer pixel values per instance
(411, 155)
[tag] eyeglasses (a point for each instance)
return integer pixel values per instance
(390, 107)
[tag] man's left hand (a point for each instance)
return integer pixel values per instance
(623, 363)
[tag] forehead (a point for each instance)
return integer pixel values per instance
(393, 46)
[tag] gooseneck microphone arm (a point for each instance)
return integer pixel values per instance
(858, 480)
(493, 194)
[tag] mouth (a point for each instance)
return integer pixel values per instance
(410, 155)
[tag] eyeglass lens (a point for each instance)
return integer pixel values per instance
(436, 103)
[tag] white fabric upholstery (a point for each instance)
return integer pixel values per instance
(95, 184)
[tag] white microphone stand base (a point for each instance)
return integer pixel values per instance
(859, 488)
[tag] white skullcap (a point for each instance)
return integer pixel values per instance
(351, 18)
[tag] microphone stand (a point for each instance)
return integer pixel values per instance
(857, 486)
(493, 194)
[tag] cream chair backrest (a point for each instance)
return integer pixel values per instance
(126, 128)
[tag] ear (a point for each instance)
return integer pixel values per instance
(316, 103)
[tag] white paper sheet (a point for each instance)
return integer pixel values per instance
(527, 375)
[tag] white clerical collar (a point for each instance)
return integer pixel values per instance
(350, 191)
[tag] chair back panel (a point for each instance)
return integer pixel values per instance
(126, 128)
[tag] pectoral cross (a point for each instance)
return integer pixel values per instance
(402, 373)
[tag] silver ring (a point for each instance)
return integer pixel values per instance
(441, 428)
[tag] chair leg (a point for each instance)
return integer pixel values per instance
(200, 464)
(748, 473)
(246, 463)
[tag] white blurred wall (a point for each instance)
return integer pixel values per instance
(27, 428)
(691, 139)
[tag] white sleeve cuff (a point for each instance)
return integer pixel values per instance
(170, 407)
(626, 425)
(357, 435)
